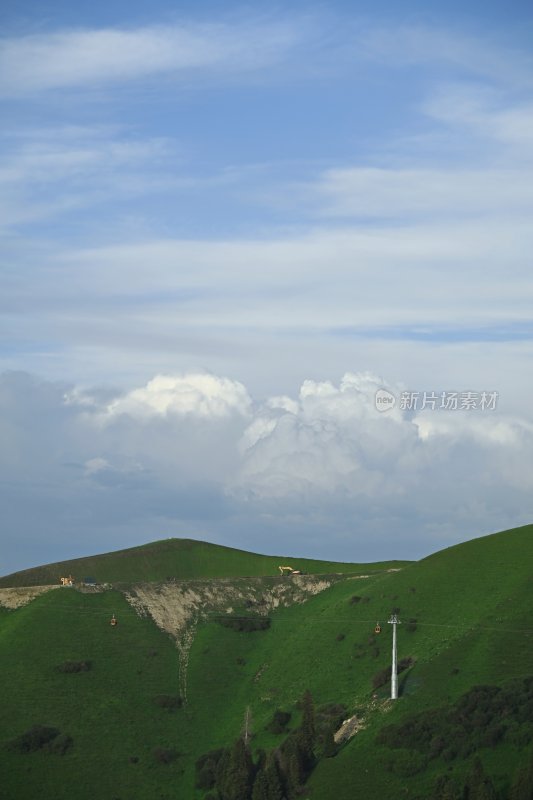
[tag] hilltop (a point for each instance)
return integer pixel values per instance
(179, 559)
(257, 643)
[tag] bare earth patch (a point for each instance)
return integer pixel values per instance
(348, 729)
(22, 595)
(177, 607)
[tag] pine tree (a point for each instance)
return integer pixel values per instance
(236, 773)
(273, 778)
(294, 773)
(308, 722)
(260, 790)
(446, 788)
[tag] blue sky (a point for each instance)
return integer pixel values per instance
(224, 228)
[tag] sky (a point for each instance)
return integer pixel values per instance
(226, 230)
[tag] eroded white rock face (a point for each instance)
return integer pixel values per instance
(177, 607)
(17, 597)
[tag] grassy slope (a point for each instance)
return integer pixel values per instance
(472, 602)
(174, 558)
(474, 605)
(108, 711)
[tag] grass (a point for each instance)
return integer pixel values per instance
(472, 603)
(181, 559)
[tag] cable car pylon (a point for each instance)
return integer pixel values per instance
(394, 673)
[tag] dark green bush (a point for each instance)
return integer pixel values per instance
(170, 702)
(406, 763)
(245, 624)
(74, 666)
(33, 739)
(481, 718)
(405, 663)
(59, 744)
(206, 768)
(164, 755)
(381, 678)
(278, 723)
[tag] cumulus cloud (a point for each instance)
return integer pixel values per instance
(322, 473)
(199, 394)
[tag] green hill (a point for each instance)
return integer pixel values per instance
(174, 558)
(465, 615)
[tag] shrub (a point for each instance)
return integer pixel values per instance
(406, 763)
(74, 666)
(492, 735)
(436, 746)
(381, 678)
(340, 637)
(245, 624)
(164, 755)
(411, 626)
(59, 744)
(170, 702)
(405, 663)
(278, 723)
(206, 767)
(359, 650)
(240, 661)
(355, 599)
(33, 739)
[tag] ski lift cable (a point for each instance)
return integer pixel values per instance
(212, 615)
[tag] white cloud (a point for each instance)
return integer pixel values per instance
(75, 58)
(331, 439)
(95, 465)
(367, 192)
(488, 115)
(200, 395)
(482, 56)
(47, 173)
(322, 472)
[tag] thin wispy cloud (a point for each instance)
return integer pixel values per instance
(77, 58)
(481, 55)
